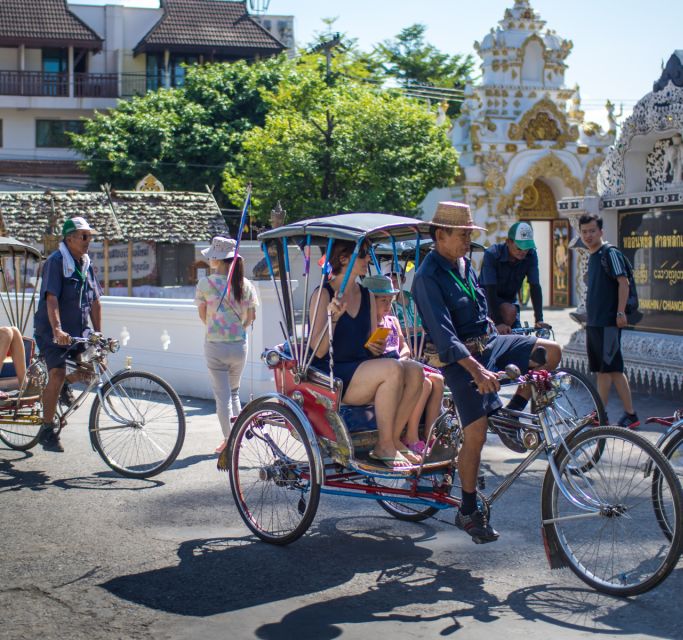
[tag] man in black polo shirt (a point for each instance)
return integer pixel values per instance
(504, 267)
(606, 297)
(453, 308)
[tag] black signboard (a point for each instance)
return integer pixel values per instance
(653, 241)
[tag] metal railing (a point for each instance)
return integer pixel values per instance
(85, 85)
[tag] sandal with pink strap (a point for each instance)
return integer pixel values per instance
(417, 447)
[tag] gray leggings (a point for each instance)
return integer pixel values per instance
(226, 361)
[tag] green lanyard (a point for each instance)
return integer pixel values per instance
(81, 277)
(467, 288)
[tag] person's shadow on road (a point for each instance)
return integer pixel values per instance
(221, 575)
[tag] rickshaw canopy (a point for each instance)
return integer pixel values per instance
(10, 246)
(352, 226)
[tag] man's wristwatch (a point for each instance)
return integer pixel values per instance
(621, 314)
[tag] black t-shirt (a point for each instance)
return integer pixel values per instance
(603, 289)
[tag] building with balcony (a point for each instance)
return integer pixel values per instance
(60, 60)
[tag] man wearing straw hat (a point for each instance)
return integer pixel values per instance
(453, 308)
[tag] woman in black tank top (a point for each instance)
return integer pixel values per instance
(393, 386)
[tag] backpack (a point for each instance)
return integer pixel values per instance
(632, 314)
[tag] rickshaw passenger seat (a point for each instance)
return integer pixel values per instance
(358, 417)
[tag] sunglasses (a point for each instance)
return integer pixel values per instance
(86, 237)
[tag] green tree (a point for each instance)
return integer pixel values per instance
(183, 136)
(410, 59)
(345, 146)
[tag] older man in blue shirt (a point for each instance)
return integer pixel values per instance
(453, 308)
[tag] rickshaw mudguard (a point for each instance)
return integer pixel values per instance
(301, 417)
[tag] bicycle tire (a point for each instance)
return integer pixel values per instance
(673, 452)
(146, 424)
(20, 436)
(273, 475)
(619, 548)
(405, 511)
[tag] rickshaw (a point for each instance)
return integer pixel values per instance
(611, 504)
(137, 422)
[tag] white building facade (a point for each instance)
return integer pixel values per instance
(524, 144)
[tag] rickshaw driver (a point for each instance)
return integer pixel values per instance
(453, 308)
(69, 294)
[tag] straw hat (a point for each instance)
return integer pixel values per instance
(454, 215)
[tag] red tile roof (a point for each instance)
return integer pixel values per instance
(44, 23)
(209, 26)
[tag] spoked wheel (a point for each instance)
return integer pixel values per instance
(413, 511)
(579, 399)
(673, 452)
(140, 429)
(578, 406)
(273, 475)
(21, 435)
(608, 530)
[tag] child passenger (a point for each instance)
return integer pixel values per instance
(430, 401)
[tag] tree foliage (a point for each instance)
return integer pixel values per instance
(183, 136)
(410, 59)
(329, 147)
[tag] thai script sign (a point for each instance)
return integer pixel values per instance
(143, 266)
(653, 241)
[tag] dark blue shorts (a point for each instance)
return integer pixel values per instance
(55, 356)
(500, 351)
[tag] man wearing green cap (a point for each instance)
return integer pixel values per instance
(504, 267)
(69, 297)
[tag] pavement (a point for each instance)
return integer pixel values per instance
(87, 554)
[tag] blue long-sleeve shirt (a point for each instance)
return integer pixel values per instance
(449, 313)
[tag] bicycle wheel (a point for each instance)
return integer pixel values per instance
(273, 475)
(606, 530)
(416, 511)
(673, 452)
(140, 429)
(579, 399)
(19, 434)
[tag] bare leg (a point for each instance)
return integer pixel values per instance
(409, 396)
(604, 383)
(553, 355)
(51, 394)
(435, 402)
(624, 390)
(470, 454)
(412, 434)
(380, 381)
(18, 354)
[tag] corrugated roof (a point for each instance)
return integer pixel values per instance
(216, 26)
(170, 216)
(44, 23)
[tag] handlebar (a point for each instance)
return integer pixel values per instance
(96, 339)
(540, 332)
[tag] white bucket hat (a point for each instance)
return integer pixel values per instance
(221, 249)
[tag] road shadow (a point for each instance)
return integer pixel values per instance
(588, 612)
(13, 479)
(227, 574)
(182, 463)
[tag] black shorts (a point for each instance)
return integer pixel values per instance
(500, 351)
(603, 345)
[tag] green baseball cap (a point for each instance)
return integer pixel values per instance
(522, 235)
(76, 224)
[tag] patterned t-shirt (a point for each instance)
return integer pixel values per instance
(224, 324)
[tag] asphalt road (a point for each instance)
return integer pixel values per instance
(88, 554)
